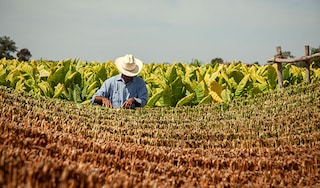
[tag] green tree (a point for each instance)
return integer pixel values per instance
(287, 55)
(7, 46)
(317, 61)
(216, 60)
(24, 55)
(315, 50)
(195, 62)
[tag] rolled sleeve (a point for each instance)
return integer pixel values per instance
(138, 100)
(142, 98)
(103, 91)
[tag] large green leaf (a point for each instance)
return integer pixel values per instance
(191, 73)
(297, 75)
(242, 85)
(178, 89)
(43, 73)
(272, 77)
(263, 71)
(258, 78)
(244, 69)
(59, 91)
(89, 89)
(154, 98)
(90, 94)
(208, 73)
(215, 96)
(3, 75)
(73, 78)
(237, 75)
(75, 93)
(206, 100)
(215, 87)
(199, 75)
(226, 95)
(224, 78)
(181, 67)
(156, 81)
(19, 85)
(215, 91)
(30, 84)
(216, 73)
(286, 72)
(13, 77)
(168, 97)
(171, 74)
(185, 100)
(201, 90)
(253, 69)
(189, 86)
(28, 69)
(101, 72)
(57, 77)
(111, 69)
(89, 78)
(45, 88)
(264, 87)
(315, 71)
(93, 86)
(253, 91)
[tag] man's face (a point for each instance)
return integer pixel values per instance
(126, 78)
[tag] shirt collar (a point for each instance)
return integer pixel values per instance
(118, 78)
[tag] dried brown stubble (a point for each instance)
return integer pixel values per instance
(248, 145)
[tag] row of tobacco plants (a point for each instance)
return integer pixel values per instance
(176, 84)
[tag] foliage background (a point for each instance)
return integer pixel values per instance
(174, 84)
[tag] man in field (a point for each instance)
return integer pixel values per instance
(124, 90)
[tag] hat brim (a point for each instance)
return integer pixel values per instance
(119, 62)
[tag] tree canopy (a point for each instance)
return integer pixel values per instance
(7, 47)
(24, 55)
(317, 61)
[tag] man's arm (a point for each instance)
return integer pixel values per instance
(142, 98)
(102, 94)
(103, 101)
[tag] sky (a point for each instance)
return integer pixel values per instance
(161, 31)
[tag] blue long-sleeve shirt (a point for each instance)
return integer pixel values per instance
(117, 91)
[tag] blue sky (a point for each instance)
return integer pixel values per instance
(161, 30)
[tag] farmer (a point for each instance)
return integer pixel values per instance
(124, 90)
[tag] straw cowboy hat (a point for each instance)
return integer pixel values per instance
(128, 65)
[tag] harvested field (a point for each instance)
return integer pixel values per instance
(271, 140)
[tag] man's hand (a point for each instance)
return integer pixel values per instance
(128, 103)
(106, 102)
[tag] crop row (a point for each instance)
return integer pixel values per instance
(212, 128)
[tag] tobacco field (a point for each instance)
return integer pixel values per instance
(169, 85)
(203, 126)
(269, 140)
